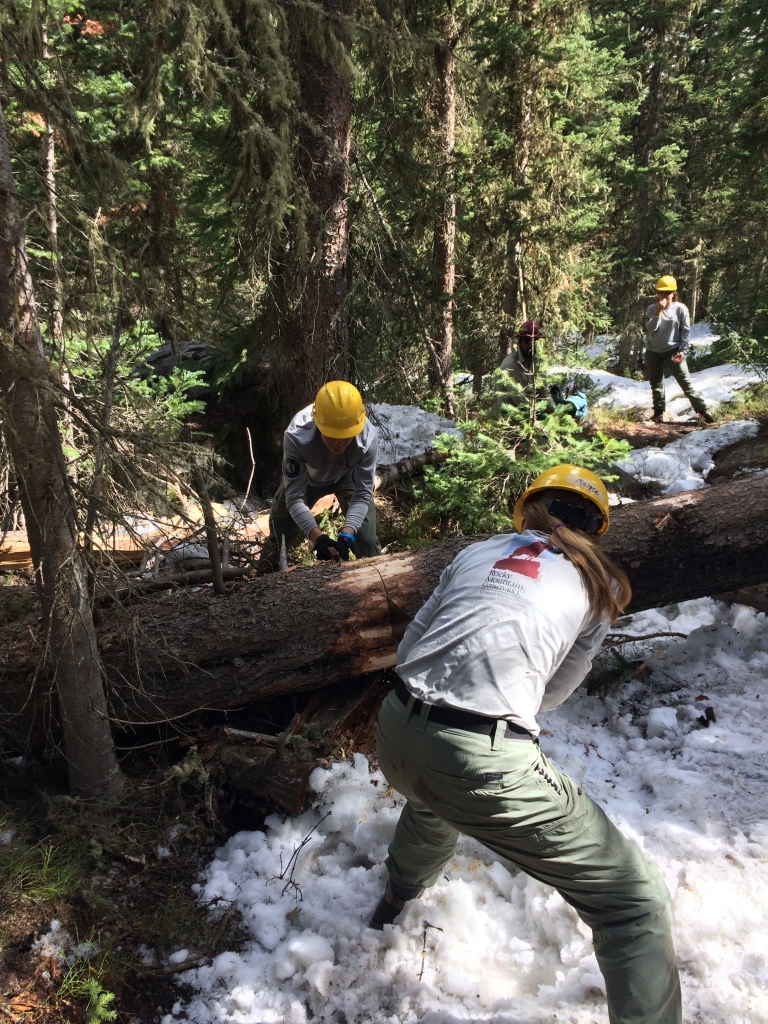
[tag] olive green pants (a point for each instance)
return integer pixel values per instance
(281, 523)
(656, 364)
(506, 794)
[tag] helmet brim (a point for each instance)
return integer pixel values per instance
(527, 495)
(340, 433)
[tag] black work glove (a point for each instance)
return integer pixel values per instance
(327, 549)
(323, 546)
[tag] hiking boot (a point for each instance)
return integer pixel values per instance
(707, 416)
(658, 417)
(391, 904)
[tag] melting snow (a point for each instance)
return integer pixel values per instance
(55, 943)
(715, 384)
(510, 949)
(701, 339)
(684, 465)
(58, 944)
(406, 430)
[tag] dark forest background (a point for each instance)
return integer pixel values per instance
(384, 190)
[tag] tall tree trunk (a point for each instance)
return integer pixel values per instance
(513, 301)
(645, 139)
(697, 260)
(56, 323)
(325, 162)
(444, 245)
(632, 299)
(32, 435)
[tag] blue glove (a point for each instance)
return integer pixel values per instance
(327, 549)
(344, 543)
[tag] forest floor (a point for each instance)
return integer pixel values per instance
(94, 902)
(99, 913)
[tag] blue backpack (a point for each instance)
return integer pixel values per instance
(579, 400)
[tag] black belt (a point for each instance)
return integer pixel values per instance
(457, 719)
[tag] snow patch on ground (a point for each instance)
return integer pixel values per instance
(54, 944)
(57, 944)
(406, 430)
(701, 339)
(715, 384)
(510, 949)
(684, 465)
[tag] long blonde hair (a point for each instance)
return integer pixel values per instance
(607, 586)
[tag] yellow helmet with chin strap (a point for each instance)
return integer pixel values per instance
(338, 410)
(577, 480)
(666, 284)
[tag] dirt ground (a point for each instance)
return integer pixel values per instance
(645, 433)
(117, 880)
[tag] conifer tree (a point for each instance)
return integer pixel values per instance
(31, 430)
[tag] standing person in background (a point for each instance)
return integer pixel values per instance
(667, 326)
(330, 447)
(511, 630)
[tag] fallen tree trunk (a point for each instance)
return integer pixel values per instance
(310, 627)
(340, 719)
(407, 467)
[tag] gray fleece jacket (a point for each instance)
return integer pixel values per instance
(668, 333)
(306, 461)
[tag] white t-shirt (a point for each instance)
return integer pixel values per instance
(507, 632)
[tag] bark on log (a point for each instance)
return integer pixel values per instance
(310, 627)
(343, 716)
(407, 467)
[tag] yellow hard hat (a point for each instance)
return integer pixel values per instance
(567, 478)
(338, 410)
(666, 284)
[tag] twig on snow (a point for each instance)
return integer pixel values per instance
(293, 861)
(424, 946)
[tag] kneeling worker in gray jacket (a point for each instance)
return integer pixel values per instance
(330, 447)
(667, 326)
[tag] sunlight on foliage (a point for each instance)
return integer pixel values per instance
(38, 873)
(475, 489)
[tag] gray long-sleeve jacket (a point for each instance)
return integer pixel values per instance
(508, 632)
(306, 460)
(667, 333)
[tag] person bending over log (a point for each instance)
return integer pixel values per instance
(330, 447)
(510, 630)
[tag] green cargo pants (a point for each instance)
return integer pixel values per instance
(281, 523)
(506, 794)
(656, 364)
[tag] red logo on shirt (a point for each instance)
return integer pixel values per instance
(523, 560)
